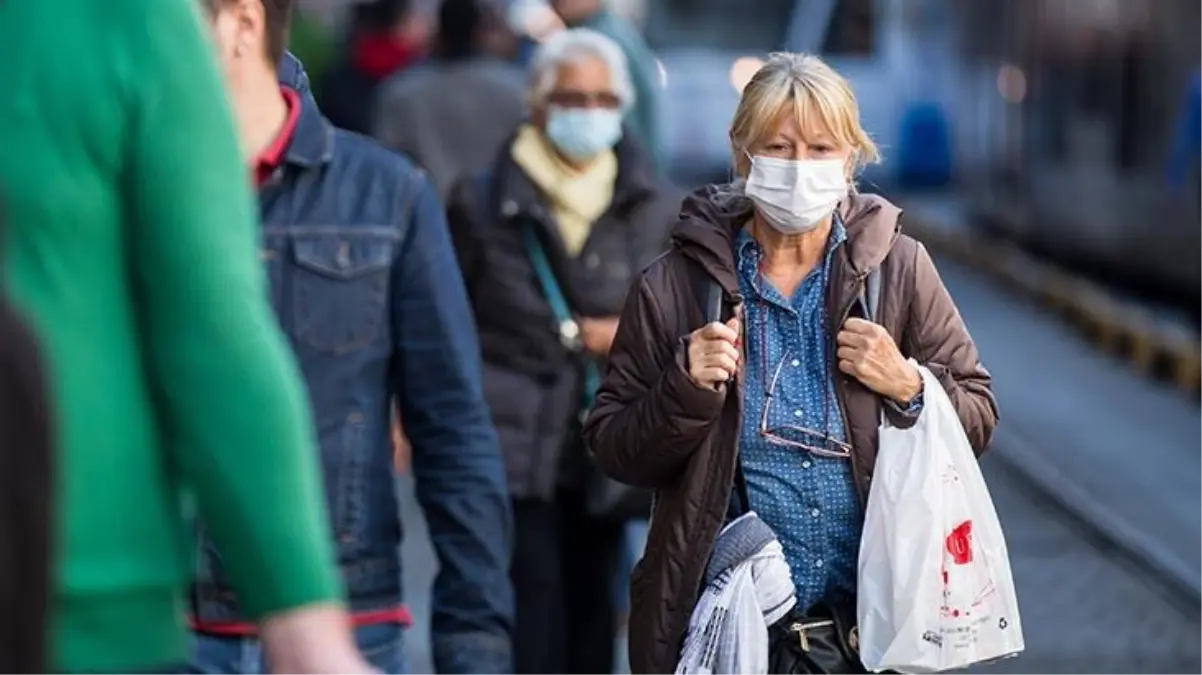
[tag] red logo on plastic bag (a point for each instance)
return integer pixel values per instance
(959, 543)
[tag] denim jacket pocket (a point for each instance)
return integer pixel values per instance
(340, 288)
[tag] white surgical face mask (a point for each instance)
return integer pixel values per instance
(795, 195)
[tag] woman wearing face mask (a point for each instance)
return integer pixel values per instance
(549, 239)
(775, 408)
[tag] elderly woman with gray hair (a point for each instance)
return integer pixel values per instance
(549, 239)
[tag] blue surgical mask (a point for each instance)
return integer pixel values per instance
(583, 133)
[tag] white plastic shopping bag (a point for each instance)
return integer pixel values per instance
(935, 589)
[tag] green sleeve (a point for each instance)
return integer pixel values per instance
(230, 399)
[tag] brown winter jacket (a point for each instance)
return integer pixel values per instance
(652, 426)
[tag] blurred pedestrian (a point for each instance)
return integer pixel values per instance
(386, 36)
(365, 285)
(129, 247)
(532, 21)
(643, 116)
(498, 39)
(435, 113)
(776, 407)
(26, 494)
(549, 239)
(310, 40)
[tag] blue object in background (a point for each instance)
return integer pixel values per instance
(1187, 148)
(924, 153)
(633, 544)
(526, 49)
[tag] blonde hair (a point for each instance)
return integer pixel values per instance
(814, 93)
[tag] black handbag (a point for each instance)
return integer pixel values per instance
(824, 639)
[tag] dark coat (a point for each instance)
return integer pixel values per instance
(532, 382)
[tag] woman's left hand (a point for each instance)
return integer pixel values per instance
(867, 352)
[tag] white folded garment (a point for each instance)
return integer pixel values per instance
(748, 588)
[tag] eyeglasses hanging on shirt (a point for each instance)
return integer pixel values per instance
(818, 443)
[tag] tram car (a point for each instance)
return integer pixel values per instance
(1086, 143)
(898, 55)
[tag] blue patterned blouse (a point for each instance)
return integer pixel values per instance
(809, 501)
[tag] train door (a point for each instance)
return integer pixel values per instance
(1089, 100)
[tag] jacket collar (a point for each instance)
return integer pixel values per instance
(313, 143)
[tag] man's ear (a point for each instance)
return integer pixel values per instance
(251, 26)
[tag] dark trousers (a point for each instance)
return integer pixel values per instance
(563, 567)
(26, 480)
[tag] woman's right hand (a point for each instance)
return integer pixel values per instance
(714, 354)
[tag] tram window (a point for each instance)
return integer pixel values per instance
(852, 29)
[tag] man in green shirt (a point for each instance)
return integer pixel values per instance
(131, 248)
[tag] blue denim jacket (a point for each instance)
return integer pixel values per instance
(366, 286)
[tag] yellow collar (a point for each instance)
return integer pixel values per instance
(577, 197)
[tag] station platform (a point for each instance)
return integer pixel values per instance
(1081, 419)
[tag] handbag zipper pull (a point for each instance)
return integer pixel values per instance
(802, 640)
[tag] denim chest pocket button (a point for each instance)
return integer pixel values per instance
(340, 288)
(343, 256)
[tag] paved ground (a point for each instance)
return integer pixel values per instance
(1085, 608)
(1107, 442)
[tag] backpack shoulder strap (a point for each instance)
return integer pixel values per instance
(711, 300)
(872, 294)
(706, 292)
